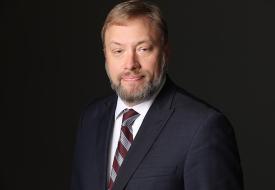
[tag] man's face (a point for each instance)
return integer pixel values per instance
(135, 59)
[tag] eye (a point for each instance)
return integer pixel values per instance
(117, 51)
(144, 49)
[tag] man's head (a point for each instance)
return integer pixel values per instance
(135, 38)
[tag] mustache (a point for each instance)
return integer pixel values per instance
(131, 73)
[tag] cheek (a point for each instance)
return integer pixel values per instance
(152, 67)
(113, 70)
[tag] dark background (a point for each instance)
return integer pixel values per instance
(52, 64)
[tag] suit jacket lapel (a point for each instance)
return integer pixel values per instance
(150, 129)
(104, 132)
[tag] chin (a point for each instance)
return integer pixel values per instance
(132, 91)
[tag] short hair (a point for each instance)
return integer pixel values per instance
(135, 9)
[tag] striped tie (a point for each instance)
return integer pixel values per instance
(125, 141)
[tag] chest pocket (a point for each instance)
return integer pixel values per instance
(151, 172)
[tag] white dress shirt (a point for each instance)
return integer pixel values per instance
(141, 108)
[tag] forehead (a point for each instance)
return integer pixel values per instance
(127, 31)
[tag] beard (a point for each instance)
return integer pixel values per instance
(139, 93)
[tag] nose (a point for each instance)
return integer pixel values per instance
(131, 61)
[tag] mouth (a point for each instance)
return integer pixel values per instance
(132, 78)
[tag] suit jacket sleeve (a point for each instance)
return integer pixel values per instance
(213, 161)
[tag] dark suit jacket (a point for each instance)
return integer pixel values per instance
(182, 144)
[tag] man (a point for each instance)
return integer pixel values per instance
(150, 134)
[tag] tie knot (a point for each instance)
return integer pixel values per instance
(129, 117)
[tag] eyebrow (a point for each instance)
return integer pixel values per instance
(141, 42)
(116, 43)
